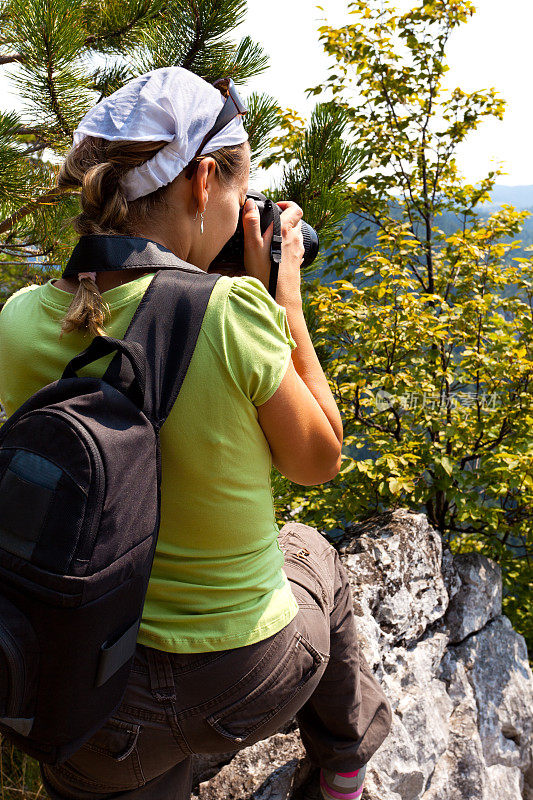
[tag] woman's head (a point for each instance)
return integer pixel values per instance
(160, 189)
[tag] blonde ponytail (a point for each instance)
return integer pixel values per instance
(87, 311)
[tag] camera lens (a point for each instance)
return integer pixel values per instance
(311, 243)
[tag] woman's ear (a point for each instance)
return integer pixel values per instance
(203, 181)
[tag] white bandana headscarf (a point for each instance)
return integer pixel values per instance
(169, 104)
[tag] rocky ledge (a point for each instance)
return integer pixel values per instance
(455, 672)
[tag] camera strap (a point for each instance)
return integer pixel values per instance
(275, 248)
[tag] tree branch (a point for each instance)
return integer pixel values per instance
(505, 428)
(94, 39)
(49, 197)
(11, 59)
(51, 87)
(199, 37)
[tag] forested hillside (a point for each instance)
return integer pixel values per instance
(521, 197)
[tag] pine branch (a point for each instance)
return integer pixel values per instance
(108, 79)
(239, 63)
(92, 41)
(200, 35)
(249, 60)
(194, 34)
(317, 175)
(37, 148)
(23, 131)
(51, 79)
(260, 121)
(53, 43)
(116, 26)
(45, 199)
(52, 87)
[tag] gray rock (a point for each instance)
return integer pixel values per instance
(268, 770)
(455, 672)
(479, 598)
(394, 561)
(461, 771)
(495, 662)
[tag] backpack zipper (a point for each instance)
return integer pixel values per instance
(95, 498)
(17, 670)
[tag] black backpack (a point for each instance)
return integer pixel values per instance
(80, 475)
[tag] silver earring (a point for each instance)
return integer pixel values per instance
(201, 220)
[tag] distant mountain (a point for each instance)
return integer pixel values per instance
(518, 196)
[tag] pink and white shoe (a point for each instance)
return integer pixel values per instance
(342, 785)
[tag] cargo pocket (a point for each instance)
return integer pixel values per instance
(289, 677)
(116, 739)
(19, 665)
(107, 762)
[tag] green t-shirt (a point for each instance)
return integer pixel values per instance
(217, 581)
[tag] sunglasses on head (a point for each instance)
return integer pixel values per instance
(233, 107)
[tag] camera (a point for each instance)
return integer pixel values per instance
(231, 257)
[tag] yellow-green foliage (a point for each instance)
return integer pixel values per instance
(426, 336)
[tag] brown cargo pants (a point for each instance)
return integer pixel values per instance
(178, 704)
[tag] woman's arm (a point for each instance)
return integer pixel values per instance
(309, 369)
(301, 421)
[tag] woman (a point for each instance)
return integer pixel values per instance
(242, 628)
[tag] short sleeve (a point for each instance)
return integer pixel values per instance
(257, 339)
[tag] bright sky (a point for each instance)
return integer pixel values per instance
(492, 50)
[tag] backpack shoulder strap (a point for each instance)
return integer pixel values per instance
(166, 324)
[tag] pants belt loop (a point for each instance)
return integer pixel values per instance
(161, 677)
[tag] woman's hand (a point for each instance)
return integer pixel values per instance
(292, 254)
(256, 246)
(257, 249)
